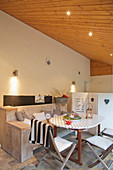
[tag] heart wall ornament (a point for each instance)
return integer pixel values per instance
(106, 101)
(92, 99)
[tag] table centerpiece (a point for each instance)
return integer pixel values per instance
(72, 117)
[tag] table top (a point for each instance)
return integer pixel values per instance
(83, 123)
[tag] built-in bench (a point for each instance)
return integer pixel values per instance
(14, 135)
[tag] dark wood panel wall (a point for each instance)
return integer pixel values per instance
(99, 68)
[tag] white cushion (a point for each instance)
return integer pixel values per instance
(39, 116)
(108, 131)
(100, 142)
(62, 144)
(27, 121)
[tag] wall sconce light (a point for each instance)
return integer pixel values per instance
(15, 73)
(73, 87)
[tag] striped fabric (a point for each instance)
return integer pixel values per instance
(40, 133)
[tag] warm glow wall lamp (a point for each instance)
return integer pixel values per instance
(73, 82)
(15, 73)
(73, 86)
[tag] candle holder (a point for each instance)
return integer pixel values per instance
(89, 113)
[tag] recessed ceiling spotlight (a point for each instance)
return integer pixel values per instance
(90, 34)
(111, 54)
(68, 12)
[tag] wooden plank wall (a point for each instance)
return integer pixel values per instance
(99, 68)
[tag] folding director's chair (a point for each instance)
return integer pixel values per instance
(42, 133)
(103, 143)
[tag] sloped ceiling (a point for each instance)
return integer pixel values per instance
(49, 17)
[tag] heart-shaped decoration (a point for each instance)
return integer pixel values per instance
(68, 122)
(106, 101)
(92, 99)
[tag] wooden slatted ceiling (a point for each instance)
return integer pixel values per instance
(99, 68)
(49, 17)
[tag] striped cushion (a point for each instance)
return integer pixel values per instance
(100, 142)
(108, 131)
(62, 144)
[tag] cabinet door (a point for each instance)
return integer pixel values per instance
(105, 109)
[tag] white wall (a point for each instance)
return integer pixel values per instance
(106, 110)
(100, 84)
(26, 49)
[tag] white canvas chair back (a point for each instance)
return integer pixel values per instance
(107, 132)
(104, 144)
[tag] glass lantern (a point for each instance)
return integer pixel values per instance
(89, 113)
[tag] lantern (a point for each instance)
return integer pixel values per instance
(89, 113)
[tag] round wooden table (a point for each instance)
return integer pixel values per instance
(78, 125)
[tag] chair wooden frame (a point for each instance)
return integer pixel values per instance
(53, 149)
(100, 157)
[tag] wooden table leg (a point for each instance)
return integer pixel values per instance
(98, 129)
(55, 131)
(79, 145)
